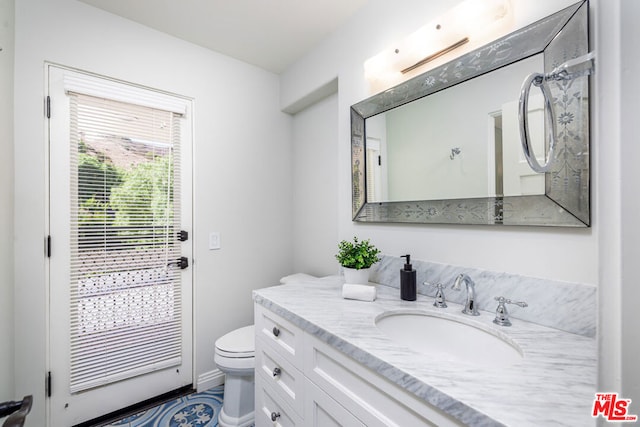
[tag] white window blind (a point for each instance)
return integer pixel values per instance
(125, 217)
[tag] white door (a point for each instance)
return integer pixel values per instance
(120, 328)
(375, 184)
(518, 177)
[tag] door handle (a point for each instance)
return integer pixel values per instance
(182, 262)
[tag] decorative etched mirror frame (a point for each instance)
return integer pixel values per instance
(559, 37)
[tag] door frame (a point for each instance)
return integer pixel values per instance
(189, 122)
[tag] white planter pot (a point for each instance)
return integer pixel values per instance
(356, 277)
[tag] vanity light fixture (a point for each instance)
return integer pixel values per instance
(472, 22)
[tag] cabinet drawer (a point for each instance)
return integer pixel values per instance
(271, 410)
(281, 375)
(282, 335)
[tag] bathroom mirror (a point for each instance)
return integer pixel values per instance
(444, 147)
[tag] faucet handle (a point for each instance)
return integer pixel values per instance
(508, 301)
(440, 300)
(502, 315)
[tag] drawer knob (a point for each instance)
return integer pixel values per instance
(275, 416)
(276, 331)
(276, 372)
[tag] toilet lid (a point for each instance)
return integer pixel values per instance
(238, 343)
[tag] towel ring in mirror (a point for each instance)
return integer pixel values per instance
(577, 67)
(538, 80)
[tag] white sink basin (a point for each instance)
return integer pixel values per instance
(449, 339)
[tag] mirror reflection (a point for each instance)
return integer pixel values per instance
(463, 142)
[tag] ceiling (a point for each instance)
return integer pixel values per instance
(272, 34)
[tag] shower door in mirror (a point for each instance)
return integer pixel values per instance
(119, 211)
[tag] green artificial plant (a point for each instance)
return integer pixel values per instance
(357, 254)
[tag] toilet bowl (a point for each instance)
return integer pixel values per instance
(235, 356)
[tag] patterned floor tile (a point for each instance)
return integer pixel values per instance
(194, 410)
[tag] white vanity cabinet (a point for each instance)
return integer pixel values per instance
(302, 381)
(284, 396)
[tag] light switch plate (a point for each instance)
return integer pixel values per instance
(214, 240)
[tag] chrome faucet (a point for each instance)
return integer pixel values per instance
(470, 305)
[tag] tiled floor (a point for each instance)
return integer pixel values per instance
(193, 410)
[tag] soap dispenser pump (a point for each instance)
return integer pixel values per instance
(408, 281)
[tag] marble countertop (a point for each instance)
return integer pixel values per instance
(554, 384)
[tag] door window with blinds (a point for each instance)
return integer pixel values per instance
(125, 293)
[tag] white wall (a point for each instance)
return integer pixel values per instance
(618, 206)
(608, 163)
(420, 138)
(6, 200)
(242, 167)
(315, 212)
(630, 212)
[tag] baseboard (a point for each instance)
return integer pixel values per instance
(210, 379)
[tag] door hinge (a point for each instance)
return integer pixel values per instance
(183, 236)
(47, 384)
(48, 107)
(47, 246)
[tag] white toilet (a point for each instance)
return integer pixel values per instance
(235, 356)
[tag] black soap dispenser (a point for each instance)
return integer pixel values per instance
(407, 280)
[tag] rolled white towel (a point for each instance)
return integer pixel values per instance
(359, 292)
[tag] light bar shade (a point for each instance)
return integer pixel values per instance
(472, 21)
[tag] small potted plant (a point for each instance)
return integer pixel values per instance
(356, 258)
